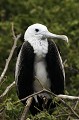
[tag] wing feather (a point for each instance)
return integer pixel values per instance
(55, 68)
(24, 71)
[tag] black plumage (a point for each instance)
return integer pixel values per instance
(25, 77)
(55, 69)
(26, 74)
(39, 56)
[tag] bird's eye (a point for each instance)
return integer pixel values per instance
(37, 30)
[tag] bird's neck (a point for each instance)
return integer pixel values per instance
(40, 46)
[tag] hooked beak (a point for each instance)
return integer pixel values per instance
(54, 36)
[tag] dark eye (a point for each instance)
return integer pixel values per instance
(37, 30)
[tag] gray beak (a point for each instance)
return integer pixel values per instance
(54, 36)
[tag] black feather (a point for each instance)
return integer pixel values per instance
(25, 73)
(54, 68)
(25, 76)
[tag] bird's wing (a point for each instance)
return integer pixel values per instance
(55, 68)
(24, 71)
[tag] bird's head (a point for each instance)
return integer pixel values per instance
(39, 31)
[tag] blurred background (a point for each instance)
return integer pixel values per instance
(60, 17)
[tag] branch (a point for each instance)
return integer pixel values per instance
(68, 97)
(58, 96)
(11, 54)
(8, 89)
(29, 99)
(70, 108)
(49, 92)
(26, 109)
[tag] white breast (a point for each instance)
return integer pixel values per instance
(40, 49)
(42, 81)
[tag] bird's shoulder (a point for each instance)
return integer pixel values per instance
(52, 47)
(25, 48)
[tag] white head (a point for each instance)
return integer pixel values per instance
(39, 31)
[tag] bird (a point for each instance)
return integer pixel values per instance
(39, 58)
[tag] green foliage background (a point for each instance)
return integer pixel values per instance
(61, 17)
